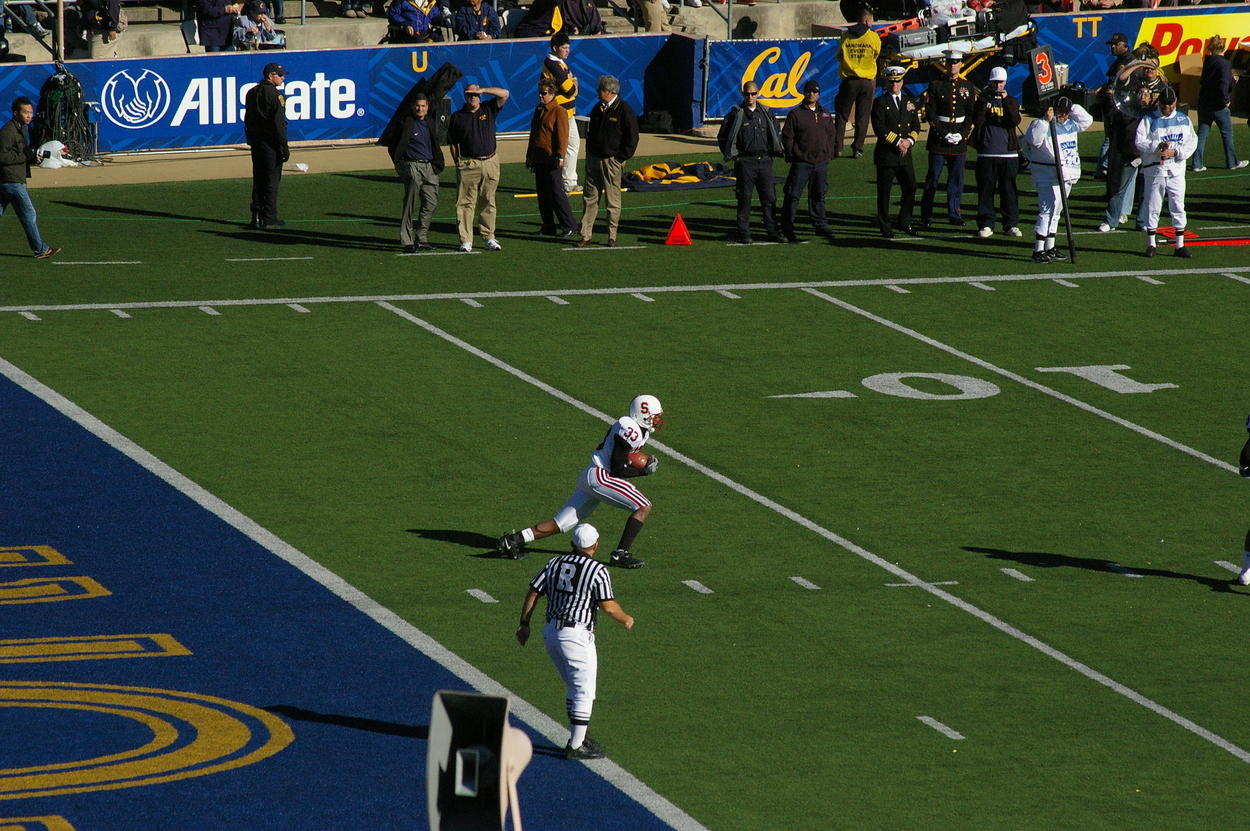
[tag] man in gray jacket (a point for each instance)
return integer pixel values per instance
(749, 138)
(16, 157)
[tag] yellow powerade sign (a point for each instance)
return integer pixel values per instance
(1187, 34)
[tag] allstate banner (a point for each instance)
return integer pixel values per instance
(779, 67)
(197, 100)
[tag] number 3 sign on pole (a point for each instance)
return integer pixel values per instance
(1044, 75)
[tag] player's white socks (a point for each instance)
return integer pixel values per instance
(1150, 238)
(1243, 579)
(577, 734)
(1180, 237)
(527, 535)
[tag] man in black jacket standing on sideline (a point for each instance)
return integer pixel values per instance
(896, 124)
(264, 121)
(998, 156)
(807, 138)
(749, 138)
(418, 161)
(610, 142)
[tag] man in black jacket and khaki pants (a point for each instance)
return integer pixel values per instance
(610, 142)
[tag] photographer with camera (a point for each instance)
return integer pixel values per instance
(998, 156)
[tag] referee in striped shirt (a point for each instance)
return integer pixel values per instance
(577, 587)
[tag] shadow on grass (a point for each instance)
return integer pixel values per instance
(472, 539)
(132, 211)
(1042, 559)
(387, 728)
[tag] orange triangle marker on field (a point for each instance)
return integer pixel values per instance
(678, 235)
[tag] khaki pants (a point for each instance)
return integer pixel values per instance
(603, 181)
(476, 180)
(569, 171)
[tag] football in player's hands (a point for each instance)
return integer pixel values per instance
(637, 459)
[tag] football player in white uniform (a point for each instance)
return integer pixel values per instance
(1165, 140)
(605, 479)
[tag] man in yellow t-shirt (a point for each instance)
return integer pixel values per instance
(857, 59)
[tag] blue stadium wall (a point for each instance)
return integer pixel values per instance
(197, 100)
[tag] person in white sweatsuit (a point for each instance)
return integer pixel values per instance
(1165, 140)
(1069, 119)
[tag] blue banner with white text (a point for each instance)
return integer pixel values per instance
(197, 100)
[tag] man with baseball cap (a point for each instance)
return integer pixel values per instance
(1165, 140)
(471, 139)
(264, 122)
(998, 156)
(807, 140)
(1122, 51)
(577, 587)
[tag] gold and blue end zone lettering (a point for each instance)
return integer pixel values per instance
(52, 823)
(89, 648)
(49, 590)
(31, 555)
(187, 735)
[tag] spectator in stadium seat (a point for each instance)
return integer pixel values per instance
(412, 21)
(216, 24)
(254, 29)
(476, 20)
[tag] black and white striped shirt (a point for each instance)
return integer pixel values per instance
(575, 585)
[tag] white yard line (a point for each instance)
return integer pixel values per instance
(546, 726)
(604, 291)
(31, 316)
(981, 286)
(897, 289)
(481, 595)
(470, 302)
(97, 262)
(940, 727)
(844, 543)
(1152, 281)
(807, 584)
(1028, 382)
(921, 583)
(559, 301)
(697, 586)
(209, 310)
(298, 308)
(1067, 284)
(1235, 569)
(729, 294)
(640, 296)
(119, 313)
(262, 259)
(1019, 575)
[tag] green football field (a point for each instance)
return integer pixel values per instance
(942, 538)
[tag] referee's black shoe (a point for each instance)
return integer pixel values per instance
(589, 749)
(511, 546)
(623, 559)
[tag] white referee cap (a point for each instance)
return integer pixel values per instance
(585, 535)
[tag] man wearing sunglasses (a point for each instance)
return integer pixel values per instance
(749, 138)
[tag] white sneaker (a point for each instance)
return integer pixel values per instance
(492, 244)
(1199, 169)
(1243, 579)
(1013, 231)
(985, 232)
(1122, 220)
(1239, 165)
(1104, 228)
(466, 247)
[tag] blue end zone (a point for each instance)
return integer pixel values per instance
(212, 685)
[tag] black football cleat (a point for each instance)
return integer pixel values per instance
(623, 559)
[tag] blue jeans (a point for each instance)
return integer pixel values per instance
(1121, 203)
(954, 185)
(14, 193)
(1222, 119)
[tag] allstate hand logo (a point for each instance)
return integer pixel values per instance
(135, 103)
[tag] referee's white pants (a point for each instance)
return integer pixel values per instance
(595, 485)
(1171, 183)
(572, 650)
(574, 146)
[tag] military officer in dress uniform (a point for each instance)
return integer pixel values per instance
(949, 107)
(896, 123)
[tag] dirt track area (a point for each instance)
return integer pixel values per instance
(235, 162)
